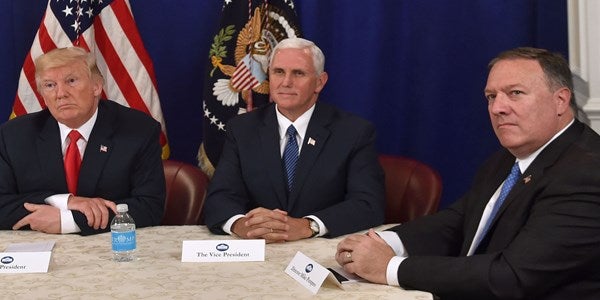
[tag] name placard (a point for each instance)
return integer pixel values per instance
(24, 262)
(309, 273)
(26, 257)
(223, 250)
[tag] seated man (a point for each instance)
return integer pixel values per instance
(533, 235)
(296, 168)
(64, 169)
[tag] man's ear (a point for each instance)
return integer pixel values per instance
(321, 80)
(97, 85)
(563, 98)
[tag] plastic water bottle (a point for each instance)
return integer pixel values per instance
(122, 230)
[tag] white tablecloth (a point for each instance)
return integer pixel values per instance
(81, 268)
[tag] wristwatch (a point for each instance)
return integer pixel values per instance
(314, 227)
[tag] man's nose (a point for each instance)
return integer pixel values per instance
(287, 80)
(61, 90)
(500, 104)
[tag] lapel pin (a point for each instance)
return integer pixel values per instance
(103, 148)
(527, 179)
(311, 141)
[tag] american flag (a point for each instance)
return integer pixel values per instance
(237, 81)
(243, 79)
(107, 29)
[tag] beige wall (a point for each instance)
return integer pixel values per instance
(584, 57)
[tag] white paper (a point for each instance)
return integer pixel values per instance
(223, 250)
(31, 247)
(24, 262)
(307, 272)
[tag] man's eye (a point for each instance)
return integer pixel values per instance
(49, 85)
(490, 97)
(516, 92)
(72, 81)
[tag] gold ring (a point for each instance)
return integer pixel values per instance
(349, 256)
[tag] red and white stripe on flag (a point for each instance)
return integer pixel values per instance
(242, 79)
(107, 29)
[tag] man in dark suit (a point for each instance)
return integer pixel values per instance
(337, 185)
(538, 240)
(118, 148)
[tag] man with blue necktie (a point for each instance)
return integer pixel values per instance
(529, 227)
(296, 168)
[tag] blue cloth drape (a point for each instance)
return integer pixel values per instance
(416, 69)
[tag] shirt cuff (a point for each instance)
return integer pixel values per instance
(229, 223)
(391, 274)
(392, 239)
(67, 222)
(322, 229)
(59, 201)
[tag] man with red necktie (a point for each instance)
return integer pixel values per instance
(64, 169)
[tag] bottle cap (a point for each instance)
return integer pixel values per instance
(122, 207)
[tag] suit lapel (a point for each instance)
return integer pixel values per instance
(269, 141)
(97, 151)
(49, 153)
(501, 169)
(314, 140)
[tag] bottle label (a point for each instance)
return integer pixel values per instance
(123, 241)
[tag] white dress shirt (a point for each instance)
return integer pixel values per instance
(67, 222)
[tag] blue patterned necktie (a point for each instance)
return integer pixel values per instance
(290, 156)
(509, 182)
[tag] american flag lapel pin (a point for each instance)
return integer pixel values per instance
(527, 179)
(311, 141)
(103, 148)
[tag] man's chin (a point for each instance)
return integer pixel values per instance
(66, 117)
(285, 99)
(508, 140)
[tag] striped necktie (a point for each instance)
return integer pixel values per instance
(290, 156)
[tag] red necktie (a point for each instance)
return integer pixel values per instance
(72, 161)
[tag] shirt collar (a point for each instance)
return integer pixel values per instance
(525, 162)
(85, 130)
(301, 123)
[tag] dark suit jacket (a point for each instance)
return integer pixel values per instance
(543, 244)
(338, 179)
(129, 171)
